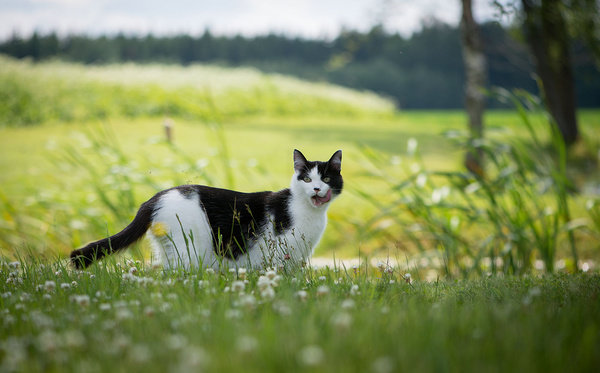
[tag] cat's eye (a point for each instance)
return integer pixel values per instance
(326, 179)
(307, 179)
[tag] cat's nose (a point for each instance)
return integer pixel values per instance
(316, 189)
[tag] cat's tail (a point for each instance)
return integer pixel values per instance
(85, 256)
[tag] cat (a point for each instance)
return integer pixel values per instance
(205, 227)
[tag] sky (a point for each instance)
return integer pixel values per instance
(304, 18)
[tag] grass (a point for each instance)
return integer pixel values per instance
(124, 316)
(111, 163)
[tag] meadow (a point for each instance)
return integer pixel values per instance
(456, 273)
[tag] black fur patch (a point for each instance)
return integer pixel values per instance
(237, 219)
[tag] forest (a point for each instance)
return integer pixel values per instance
(423, 71)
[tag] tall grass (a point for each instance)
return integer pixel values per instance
(514, 219)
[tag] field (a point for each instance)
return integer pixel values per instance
(456, 273)
(126, 317)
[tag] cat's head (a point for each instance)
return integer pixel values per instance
(319, 182)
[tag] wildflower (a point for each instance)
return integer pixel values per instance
(247, 301)
(238, 286)
(348, 304)
(129, 263)
(411, 146)
(48, 341)
(149, 311)
(47, 296)
(133, 270)
(271, 274)
(159, 229)
(233, 314)
(421, 180)
(73, 339)
(123, 314)
(14, 265)
(263, 282)
(322, 291)
(267, 293)
(65, 286)
(104, 306)
(176, 342)
(82, 300)
(302, 295)
(246, 344)
(140, 353)
(383, 364)
(408, 278)
(242, 273)
(92, 277)
(311, 355)
(74, 284)
(202, 283)
(354, 289)
(210, 271)
(341, 321)
(322, 278)
(192, 357)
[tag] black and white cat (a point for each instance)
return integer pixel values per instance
(200, 226)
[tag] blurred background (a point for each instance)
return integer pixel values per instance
(469, 128)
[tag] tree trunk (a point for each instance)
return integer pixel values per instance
(547, 34)
(475, 71)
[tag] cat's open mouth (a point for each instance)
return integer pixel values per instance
(319, 201)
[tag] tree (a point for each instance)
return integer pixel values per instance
(548, 38)
(475, 73)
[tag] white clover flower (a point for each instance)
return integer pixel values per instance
(104, 306)
(267, 293)
(282, 309)
(247, 301)
(407, 278)
(233, 314)
(92, 276)
(47, 296)
(263, 283)
(311, 355)
(82, 300)
(49, 286)
(65, 286)
(246, 344)
(271, 274)
(354, 289)
(73, 339)
(341, 321)
(202, 283)
(302, 295)
(238, 286)
(133, 270)
(242, 273)
(176, 342)
(140, 353)
(322, 291)
(322, 278)
(383, 364)
(210, 271)
(74, 284)
(411, 146)
(123, 314)
(348, 304)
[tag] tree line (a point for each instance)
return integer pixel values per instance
(423, 71)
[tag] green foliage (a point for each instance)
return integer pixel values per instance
(422, 71)
(35, 93)
(515, 217)
(126, 316)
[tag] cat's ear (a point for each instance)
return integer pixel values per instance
(335, 161)
(299, 161)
